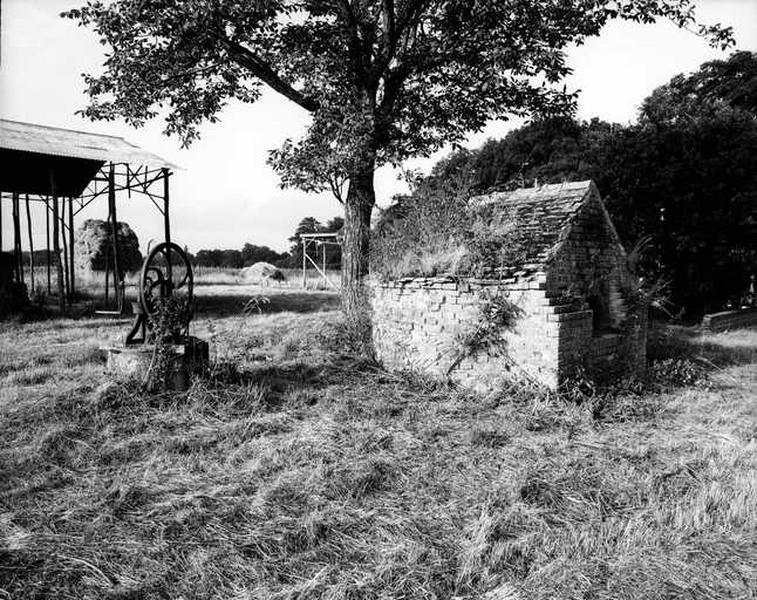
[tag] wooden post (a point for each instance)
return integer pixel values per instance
(166, 216)
(65, 246)
(1, 222)
(167, 230)
(56, 244)
(323, 250)
(304, 263)
(13, 236)
(47, 244)
(31, 244)
(117, 275)
(17, 239)
(71, 243)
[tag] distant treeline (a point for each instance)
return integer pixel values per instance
(232, 259)
(236, 259)
(40, 258)
(252, 253)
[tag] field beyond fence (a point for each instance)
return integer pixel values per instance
(293, 278)
(92, 284)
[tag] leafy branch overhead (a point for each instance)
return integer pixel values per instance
(383, 79)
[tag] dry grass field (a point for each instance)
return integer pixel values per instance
(211, 280)
(291, 470)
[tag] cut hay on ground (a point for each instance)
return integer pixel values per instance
(261, 272)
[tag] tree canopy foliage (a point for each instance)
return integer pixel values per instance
(313, 225)
(236, 259)
(384, 80)
(392, 77)
(683, 179)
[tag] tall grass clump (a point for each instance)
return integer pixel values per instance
(422, 234)
(438, 231)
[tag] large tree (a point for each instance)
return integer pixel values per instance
(384, 80)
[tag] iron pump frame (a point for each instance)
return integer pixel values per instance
(166, 277)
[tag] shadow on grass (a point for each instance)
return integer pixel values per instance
(678, 342)
(224, 305)
(276, 376)
(292, 384)
(209, 302)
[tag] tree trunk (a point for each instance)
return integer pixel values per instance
(358, 207)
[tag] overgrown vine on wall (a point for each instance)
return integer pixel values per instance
(166, 326)
(497, 315)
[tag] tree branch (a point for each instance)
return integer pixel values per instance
(352, 27)
(393, 82)
(337, 183)
(389, 37)
(263, 71)
(388, 26)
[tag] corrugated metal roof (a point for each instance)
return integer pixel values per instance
(55, 141)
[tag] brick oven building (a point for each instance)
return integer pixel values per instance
(571, 300)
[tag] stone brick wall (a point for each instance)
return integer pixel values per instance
(576, 312)
(419, 324)
(591, 266)
(591, 261)
(730, 319)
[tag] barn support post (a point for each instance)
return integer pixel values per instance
(65, 246)
(118, 278)
(1, 222)
(71, 244)
(47, 245)
(31, 244)
(56, 243)
(13, 235)
(17, 239)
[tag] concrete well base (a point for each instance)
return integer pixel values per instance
(135, 361)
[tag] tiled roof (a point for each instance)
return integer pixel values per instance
(537, 217)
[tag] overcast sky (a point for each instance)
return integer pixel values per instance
(226, 194)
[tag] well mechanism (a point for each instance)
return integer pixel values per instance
(162, 314)
(166, 283)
